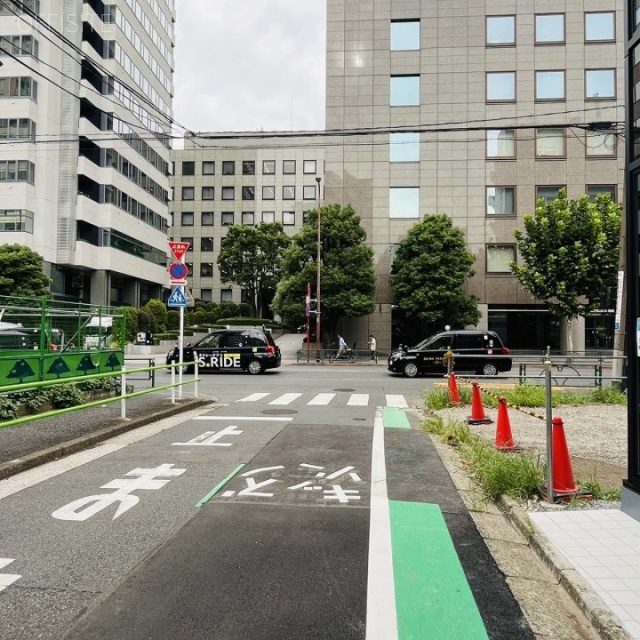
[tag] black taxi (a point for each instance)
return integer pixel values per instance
(251, 350)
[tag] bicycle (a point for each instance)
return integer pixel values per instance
(347, 354)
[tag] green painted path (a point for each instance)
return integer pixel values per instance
(394, 418)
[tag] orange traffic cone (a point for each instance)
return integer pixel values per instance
(454, 397)
(504, 438)
(477, 410)
(563, 482)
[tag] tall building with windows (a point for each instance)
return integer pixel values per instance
(474, 110)
(85, 112)
(224, 179)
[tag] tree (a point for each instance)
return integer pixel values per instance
(569, 253)
(158, 314)
(428, 274)
(21, 273)
(251, 257)
(347, 287)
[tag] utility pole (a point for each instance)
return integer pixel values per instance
(318, 332)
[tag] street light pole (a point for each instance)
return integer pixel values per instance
(318, 327)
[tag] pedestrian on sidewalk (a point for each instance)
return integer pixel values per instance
(373, 348)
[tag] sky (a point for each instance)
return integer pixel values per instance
(250, 65)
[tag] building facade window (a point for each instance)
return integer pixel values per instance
(288, 167)
(268, 216)
(228, 167)
(268, 193)
(500, 257)
(228, 193)
(17, 128)
(226, 295)
(549, 28)
(248, 167)
(186, 218)
(268, 167)
(600, 26)
(206, 269)
(19, 87)
(188, 168)
(19, 46)
(594, 190)
(550, 85)
(188, 193)
(309, 167)
(206, 244)
(208, 168)
(600, 84)
(288, 193)
(206, 295)
(501, 86)
(550, 143)
(501, 30)
(206, 219)
(548, 193)
(404, 35)
(247, 217)
(404, 91)
(599, 144)
(288, 218)
(404, 147)
(404, 202)
(227, 218)
(207, 193)
(501, 201)
(189, 241)
(501, 143)
(309, 192)
(248, 193)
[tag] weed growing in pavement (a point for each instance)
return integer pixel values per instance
(593, 487)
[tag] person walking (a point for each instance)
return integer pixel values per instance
(373, 345)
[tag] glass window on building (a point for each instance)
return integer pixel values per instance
(206, 219)
(288, 166)
(309, 167)
(309, 192)
(550, 143)
(206, 244)
(288, 193)
(599, 26)
(550, 85)
(268, 167)
(499, 257)
(228, 193)
(206, 269)
(206, 295)
(288, 218)
(404, 147)
(207, 193)
(404, 202)
(248, 167)
(404, 91)
(594, 190)
(501, 201)
(226, 295)
(189, 241)
(186, 218)
(268, 193)
(548, 193)
(188, 193)
(501, 30)
(227, 218)
(247, 217)
(600, 144)
(268, 216)
(188, 168)
(600, 84)
(248, 193)
(501, 143)
(501, 86)
(228, 168)
(208, 168)
(550, 28)
(404, 35)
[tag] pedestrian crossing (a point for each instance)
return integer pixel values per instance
(324, 399)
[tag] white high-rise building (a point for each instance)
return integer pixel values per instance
(85, 112)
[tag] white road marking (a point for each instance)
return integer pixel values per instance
(7, 579)
(381, 599)
(397, 401)
(358, 400)
(254, 397)
(322, 399)
(287, 398)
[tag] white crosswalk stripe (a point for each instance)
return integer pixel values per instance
(253, 397)
(397, 401)
(286, 398)
(358, 400)
(322, 398)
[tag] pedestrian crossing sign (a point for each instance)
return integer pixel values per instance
(177, 298)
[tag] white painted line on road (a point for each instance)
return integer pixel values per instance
(381, 597)
(254, 397)
(234, 418)
(322, 399)
(358, 400)
(398, 402)
(286, 398)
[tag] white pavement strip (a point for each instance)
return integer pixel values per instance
(381, 598)
(397, 401)
(7, 579)
(286, 398)
(323, 399)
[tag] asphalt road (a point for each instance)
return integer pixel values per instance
(304, 503)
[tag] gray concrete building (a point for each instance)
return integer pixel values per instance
(85, 109)
(533, 74)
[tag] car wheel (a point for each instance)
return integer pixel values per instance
(410, 370)
(488, 369)
(254, 367)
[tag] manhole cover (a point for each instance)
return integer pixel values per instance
(360, 419)
(346, 390)
(278, 412)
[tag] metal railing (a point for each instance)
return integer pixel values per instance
(327, 355)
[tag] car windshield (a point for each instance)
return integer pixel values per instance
(434, 342)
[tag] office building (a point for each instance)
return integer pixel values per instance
(85, 112)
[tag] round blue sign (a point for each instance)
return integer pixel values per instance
(178, 270)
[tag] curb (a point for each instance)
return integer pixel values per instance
(37, 458)
(602, 618)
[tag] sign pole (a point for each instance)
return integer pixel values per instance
(180, 350)
(178, 272)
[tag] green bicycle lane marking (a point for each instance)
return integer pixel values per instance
(394, 418)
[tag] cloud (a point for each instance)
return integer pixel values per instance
(247, 65)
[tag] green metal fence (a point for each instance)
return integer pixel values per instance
(43, 339)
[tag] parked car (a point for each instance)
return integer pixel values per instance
(251, 350)
(480, 352)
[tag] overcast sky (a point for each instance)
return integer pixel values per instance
(250, 65)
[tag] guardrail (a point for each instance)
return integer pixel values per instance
(326, 355)
(151, 374)
(122, 397)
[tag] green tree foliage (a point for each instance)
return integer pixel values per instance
(569, 253)
(428, 274)
(132, 325)
(251, 257)
(347, 287)
(158, 313)
(21, 273)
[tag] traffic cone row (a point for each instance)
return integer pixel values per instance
(504, 437)
(477, 410)
(454, 396)
(564, 486)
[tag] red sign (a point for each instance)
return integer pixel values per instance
(178, 248)
(178, 270)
